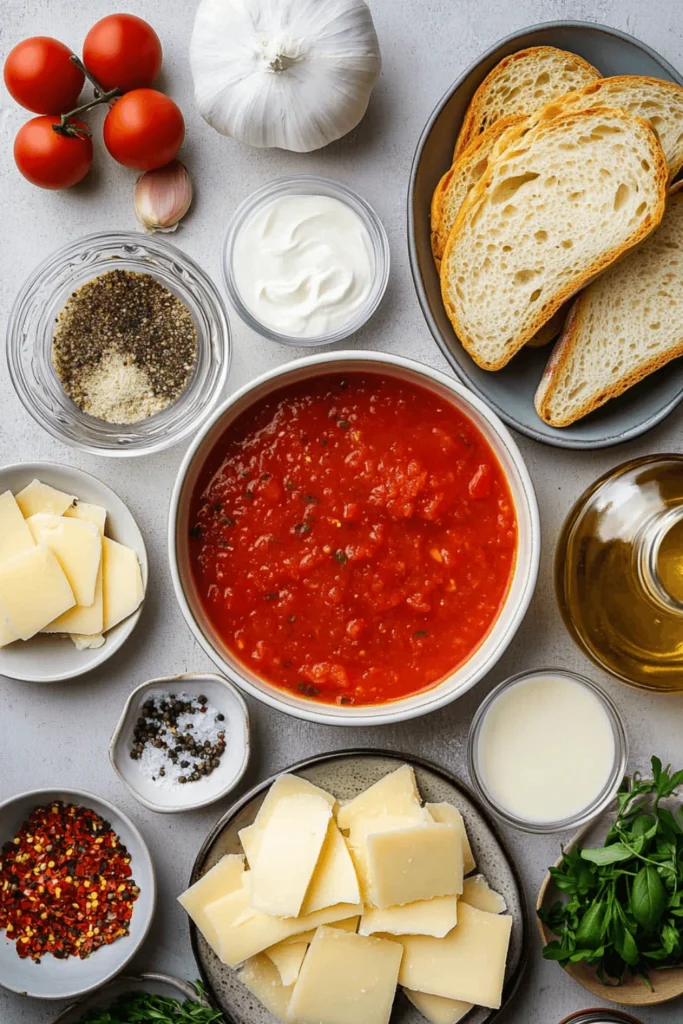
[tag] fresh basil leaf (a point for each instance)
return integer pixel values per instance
(591, 931)
(626, 947)
(648, 897)
(607, 854)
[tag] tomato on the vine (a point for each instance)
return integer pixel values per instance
(53, 159)
(122, 52)
(144, 129)
(40, 76)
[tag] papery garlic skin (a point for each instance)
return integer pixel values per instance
(292, 74)
(162, 197)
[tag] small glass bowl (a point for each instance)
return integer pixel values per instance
(31, 327)
(307, 185)
(601, 802)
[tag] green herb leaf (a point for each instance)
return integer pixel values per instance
(648, 897)
(608, 854)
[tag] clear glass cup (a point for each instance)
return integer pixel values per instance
(306, 185)
(603, 799)
(31, 327)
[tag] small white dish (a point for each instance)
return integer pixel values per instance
(66, 979)
(233, 764)
(48, 658)
(155, 984)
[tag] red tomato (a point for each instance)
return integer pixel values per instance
(51, 159)
(144, 129)
(40, 76)
(122, 52)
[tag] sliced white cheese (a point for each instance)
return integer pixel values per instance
(346, 979)
(438, 1010)
(358, 844)
(348, 925)
(447, 814)
(288, 958)
(15, 535)
(395, 795)
(37, 497)
(121, 582)
(85, 623)
(334, 879)
(223, 878)
(88, 513)
(78, 548)
(435, 917)
(86, 642)
(476, 892)
(414, 864)
(467, 965)
(284, 785)
(7, 635)
(262, 979)
(33, 591)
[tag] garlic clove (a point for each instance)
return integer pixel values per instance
(163, 196)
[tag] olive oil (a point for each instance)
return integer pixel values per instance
(619, 572)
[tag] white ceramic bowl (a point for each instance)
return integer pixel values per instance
(233, 764)
(155, 984)
(519, 593)
(66, 979)
(48, 658)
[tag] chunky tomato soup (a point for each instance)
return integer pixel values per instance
(352, 538)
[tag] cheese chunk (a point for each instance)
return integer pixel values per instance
(476, 892)
(121, 582)
(85, 623)
(223, 878)
(88, 513)
(348, 925)
(33, 591)
(284, 785)
(438, 1010)
(288, 958)
(435, 917)
(85, 643)
(288, 853)
(36, 498)
(334, 879)
(346, 979)
(7, 635)
(358, 845)
(77, 547)
(15, 535)
(414, 864)
(395, 795)
(447, 814)
(468, 965)
(262, 979)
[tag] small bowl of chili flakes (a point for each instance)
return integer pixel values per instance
(354, 538)
(77, 893)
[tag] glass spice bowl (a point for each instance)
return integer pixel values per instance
(31, 327)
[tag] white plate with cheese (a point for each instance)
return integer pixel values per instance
(415, 927)
(73, 572)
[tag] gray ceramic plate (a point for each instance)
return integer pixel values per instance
(345, 774)
(156, 984)
(511, 391)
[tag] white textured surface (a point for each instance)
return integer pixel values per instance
(58, 735)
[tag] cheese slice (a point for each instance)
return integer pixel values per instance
(395, 795)
(77, 547)
(467, 965)
(15, 535)
(288, 958)
(438, 1010)
(121, 582)
(284, 785)
(33, 591)
(476, 892)
(88, 513)
(447, 814)
(358, 844)
(7, 635)
(85, 622)
(346, 979)
(334, 879)
(262, 979)
(435, 917)
(86, 642)
(222, 879)
(414, 864)
(36, 498)
(350, 924)
(288, 853)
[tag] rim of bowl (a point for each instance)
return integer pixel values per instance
(24, 300)
(394, 711)
(287, 185)
(160, 681)
(603, 799)
(558, 439)
(133, 980)
(85, 797)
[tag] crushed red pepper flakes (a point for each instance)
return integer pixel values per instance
(66, 885)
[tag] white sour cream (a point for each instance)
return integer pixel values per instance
(546, 748)
(303, 265)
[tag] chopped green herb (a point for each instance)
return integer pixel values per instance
(196, 530)
(311, 499)
(323, 442)
(307, 689)
(217, 507)
(286, 664)
(344, 424)
(140, 1007)
(301, 528)
(340, 556)
(265, 477)
(244, 474)
(272, 597)
(290, 485)
(227, 521)
(421, 632)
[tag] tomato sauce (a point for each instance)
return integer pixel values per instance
(352, 538)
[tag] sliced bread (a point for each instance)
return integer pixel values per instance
(561, 204)
(521, 84)
(659, 102)
(625, 325)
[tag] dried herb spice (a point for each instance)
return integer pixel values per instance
(66, 884)
(124, 346)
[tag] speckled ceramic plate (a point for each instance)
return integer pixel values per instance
(345, 774)
(511, 390)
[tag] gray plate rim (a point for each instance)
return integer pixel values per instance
(513, 982)
(560, 440)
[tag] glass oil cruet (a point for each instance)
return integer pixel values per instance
(619, 572)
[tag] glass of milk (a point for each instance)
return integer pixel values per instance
(547, 751)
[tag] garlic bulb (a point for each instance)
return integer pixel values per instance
(296, 74)
(162, 197)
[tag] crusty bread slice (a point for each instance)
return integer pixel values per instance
(521, 84)
(558, 207)
(626, 325)
(549, 332)
(659, 102)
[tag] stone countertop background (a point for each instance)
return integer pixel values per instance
(59, 734)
